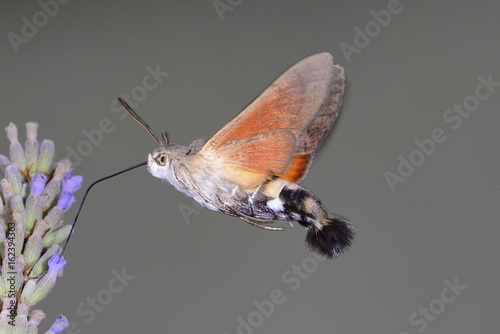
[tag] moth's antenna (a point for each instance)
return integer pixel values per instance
(165, 137)
(85, 196)
(139, 120)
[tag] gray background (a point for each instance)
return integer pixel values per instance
(199, 275)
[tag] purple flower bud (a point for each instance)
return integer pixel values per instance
(56, 263)
(60, 324)
(66, 200)
(71, 184)
(38, 183)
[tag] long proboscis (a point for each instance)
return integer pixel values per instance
(151, 132)
(87, 192)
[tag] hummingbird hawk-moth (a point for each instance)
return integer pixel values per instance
(252, 167)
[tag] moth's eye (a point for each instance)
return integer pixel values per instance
(161, 159)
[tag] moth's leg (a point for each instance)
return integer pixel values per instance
(254, 222)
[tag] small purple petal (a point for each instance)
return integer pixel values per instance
(66, 200)
(71, 184)
(56, 263)
(60, 324)
(38, 183)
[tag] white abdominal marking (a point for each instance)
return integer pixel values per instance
(275, 204)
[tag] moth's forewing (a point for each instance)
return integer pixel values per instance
(297, 110)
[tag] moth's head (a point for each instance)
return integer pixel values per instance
(159, 162)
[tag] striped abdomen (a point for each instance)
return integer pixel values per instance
(280, 199)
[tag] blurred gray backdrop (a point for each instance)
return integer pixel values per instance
(413, 162)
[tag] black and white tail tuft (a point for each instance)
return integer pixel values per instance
(333, 237)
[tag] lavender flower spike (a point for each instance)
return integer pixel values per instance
(34, 193)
